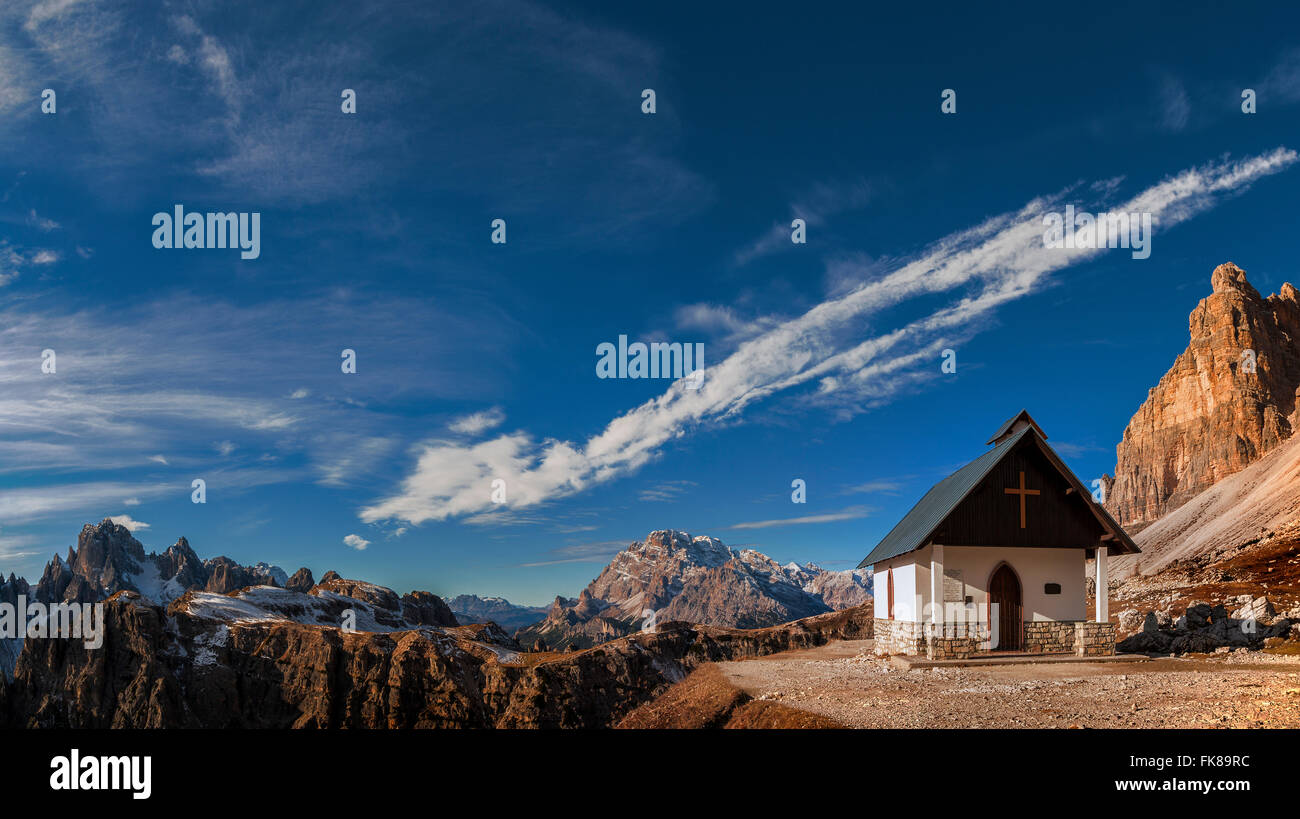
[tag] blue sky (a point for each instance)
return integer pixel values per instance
(476, 360)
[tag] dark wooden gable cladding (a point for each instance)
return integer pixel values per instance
(989, 516)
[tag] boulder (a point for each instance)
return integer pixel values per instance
(1257, 609)
(1151, 623)
(1198, 615)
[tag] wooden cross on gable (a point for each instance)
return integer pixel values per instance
(1023, 493)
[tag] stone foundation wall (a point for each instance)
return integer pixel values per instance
(1050, 636)
(899, 637)
(958, 641)
(951, 648)
(1094, 638)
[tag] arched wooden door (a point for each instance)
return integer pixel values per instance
(1004, 592)
(889, 582)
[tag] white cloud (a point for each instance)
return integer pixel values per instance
(131, 502)
(17, 548)
(356, 542)
(128, 522)
(214, 60)
(851, 513)
(478, 422)
(999, 260)
(41, 222)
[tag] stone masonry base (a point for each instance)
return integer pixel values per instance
(958, 641)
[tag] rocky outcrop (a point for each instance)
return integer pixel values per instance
(426, 609)
(274, 658)
(673, 576)
(1229, 398)
(225, 575)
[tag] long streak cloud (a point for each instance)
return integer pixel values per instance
(984, 267)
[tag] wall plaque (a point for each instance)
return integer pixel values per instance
(954, 589)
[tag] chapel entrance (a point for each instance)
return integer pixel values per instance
(1004, 592)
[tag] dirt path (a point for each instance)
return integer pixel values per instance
(847, 683)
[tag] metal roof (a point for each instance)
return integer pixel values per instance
(911, 532)
(916, 527)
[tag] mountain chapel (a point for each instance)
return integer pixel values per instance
(1001, 546)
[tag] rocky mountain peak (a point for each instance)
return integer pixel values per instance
(1229, 398)
(106, 552)
(1228, 276)
(301, 580)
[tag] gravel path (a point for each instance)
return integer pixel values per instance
(847, 683)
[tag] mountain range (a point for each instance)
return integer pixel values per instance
(470, 608)
(335, 653)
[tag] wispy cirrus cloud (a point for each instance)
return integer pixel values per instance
(815, 206)
(882, 486)
(983, 267)
(666, 491)
(133, 69)
(149, 396)
(595, 552)
(849, 513)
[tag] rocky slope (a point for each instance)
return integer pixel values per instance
(470, 608)
(695, 579)
(1209, 417)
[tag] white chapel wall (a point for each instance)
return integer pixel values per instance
(1035, 567)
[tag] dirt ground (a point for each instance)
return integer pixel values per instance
(845, 682)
